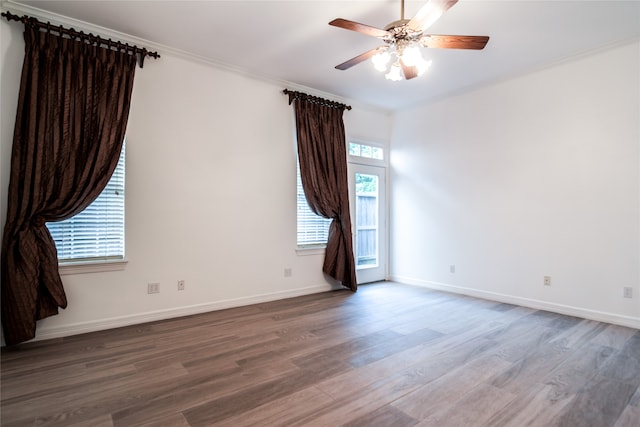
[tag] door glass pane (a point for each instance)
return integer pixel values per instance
(366, 220)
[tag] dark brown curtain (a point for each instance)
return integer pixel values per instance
(72, 115)
(322, 155)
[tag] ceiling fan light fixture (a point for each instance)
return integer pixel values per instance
(395, 73)
(380, 60)
(404, 39)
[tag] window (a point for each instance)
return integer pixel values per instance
(366, 151)
(313, 230)
(97, 233)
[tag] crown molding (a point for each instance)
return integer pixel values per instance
(57, 19)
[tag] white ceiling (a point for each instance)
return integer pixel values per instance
(290, 41)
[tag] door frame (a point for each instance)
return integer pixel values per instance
(368, 275)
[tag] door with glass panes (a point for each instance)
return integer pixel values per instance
(368, 205)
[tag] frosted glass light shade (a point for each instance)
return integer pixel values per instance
(380, 61)
(395, 73)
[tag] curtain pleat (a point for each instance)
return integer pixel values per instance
(70, 125)
(322, 156)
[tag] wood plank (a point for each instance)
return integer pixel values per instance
(569, 377)
(284, 411)
(224, 407)
(581, 333)
(383, 417)
(448, 389)
(600, 403)
(630, 417)
(475, 407)
(526, 371)
(539, 406)
(615, 336)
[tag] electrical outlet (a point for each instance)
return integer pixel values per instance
(452, 268)
(547, 280)
(627, 292)
(153, 288)
(287, 272)
(181, 285)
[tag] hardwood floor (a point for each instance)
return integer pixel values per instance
(388, 355)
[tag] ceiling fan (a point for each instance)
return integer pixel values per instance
(403, 39)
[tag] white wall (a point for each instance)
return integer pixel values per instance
(534, 176)
(210, 194)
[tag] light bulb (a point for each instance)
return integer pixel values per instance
(411, 55)
(423, 66)
(380, 61)
(395, 73)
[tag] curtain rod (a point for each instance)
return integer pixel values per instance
(327, 103)
(141, 53)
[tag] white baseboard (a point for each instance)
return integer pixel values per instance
(44, 333)
(628, 321)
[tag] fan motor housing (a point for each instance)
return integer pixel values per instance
(400, 31)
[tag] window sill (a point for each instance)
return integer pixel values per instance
(310, 251)
(91, 267)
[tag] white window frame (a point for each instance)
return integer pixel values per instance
(384, 162)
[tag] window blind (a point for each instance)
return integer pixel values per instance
(312, 229)
(97, 233)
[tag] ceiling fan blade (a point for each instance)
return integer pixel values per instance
(409, 71)
(429, 13)
(454, 42)
(358, 59)
(360, 28)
